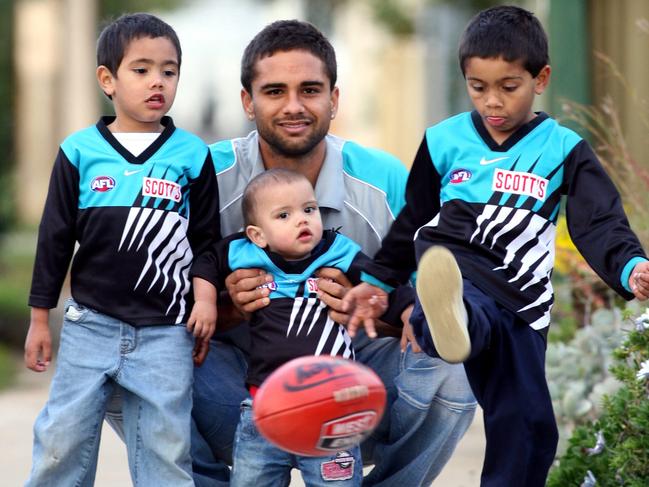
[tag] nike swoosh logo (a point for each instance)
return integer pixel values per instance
(130, 173)
(486, 162)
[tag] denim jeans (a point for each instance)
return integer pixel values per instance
(259, 463)
(153, 366)
(430, 406)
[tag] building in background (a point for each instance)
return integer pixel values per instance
(398, 69)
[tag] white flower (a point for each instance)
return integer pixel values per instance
(599, 445)
(643, 373)
(642, 321)
(589, 480)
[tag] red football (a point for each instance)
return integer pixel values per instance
(318, 405)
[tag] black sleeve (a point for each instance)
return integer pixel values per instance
(204, 220)
(422, 204)
(213, 265)
(596, 219)
(56, 234)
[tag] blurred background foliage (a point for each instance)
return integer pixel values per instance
(6, 115)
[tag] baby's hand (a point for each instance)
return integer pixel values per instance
(202, 321)
(364, 303)
(639, 281)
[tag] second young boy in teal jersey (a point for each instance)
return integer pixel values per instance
(483, 198)
(137, 196)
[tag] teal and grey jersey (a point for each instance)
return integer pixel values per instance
(496, 208)
(296, 321)
(359, 190)
(138, 222)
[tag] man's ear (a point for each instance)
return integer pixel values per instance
(106, 80)
(335, 94)
(256, 236)
(248, 105)
(542, 79)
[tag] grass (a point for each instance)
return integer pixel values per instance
(16, 261)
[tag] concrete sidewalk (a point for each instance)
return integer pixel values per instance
(20, 405)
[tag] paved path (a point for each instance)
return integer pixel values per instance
(20, 405)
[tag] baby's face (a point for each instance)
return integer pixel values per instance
(289, 220)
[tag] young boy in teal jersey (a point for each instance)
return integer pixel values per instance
(483, 198)
(138, 197)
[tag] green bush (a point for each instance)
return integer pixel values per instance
(16, 261)
(614, 449)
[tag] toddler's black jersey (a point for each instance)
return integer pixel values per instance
(496, 208)
(296, 321)
(138, 222)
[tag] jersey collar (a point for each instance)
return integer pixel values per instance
(166, 122)
(511, 141)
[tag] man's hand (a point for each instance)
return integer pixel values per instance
(332, 286)
(201, 349)
(244, 288)
(365, 303)
(38, 345)
(407, 335)
(639, 281)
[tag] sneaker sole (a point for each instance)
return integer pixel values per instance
(439, 288)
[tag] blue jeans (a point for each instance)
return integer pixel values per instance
(258, 463)
(430, 406)
(153, 366)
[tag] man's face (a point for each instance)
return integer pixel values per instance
(291, 102)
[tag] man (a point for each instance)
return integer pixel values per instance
(288, 75)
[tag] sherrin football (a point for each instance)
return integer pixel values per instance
(319, 405)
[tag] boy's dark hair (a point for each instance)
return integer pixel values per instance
(287, 35)
(512, 33)
(117, 35)
(263, 180)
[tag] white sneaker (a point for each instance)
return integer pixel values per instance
(439, 288)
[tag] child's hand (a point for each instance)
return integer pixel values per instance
(364, 303)
(202, 321)
(38, 345)
(639, 281)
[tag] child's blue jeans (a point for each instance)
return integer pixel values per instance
(153, 364)
(259, 463)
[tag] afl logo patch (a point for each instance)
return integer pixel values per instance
(101, 184)
(272, 285)
(460, 176)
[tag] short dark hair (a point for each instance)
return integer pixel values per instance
(116, 36)
(510, 32)
(287, 35)
(263, 180)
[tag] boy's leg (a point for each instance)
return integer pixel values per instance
(341, 469)
(439, 290)
(156, 379)
(68, 429)
(508, 380)
(257, 463)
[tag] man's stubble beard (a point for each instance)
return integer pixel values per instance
(283, 145)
